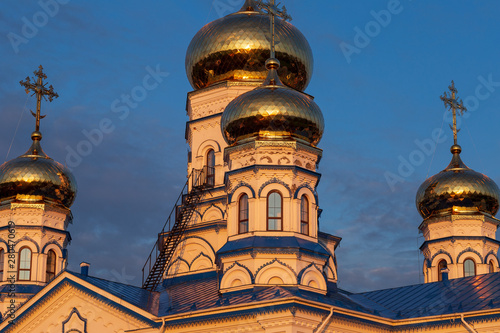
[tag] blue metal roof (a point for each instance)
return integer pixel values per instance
(137, 296)
(200, 292)
(475, 293)
(266, 242)
(21, 289)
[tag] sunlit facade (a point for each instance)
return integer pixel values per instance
(251, 256)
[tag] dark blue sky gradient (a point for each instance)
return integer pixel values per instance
(375, 106)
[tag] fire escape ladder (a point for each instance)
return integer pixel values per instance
(171, 236)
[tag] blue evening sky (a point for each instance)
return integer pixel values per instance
(379, 94)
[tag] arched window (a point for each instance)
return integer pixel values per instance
(469, 267)
(304, 215)
(274, 211)
(2, 255)
(243, 214)
(24, 272)
(51, 266)
(210, 167)
(442, 265)
(492, 266)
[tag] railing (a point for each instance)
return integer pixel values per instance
(200, 180)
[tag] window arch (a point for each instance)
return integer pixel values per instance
(304, 215)
(243, 214)
(274, 211)
(51, 266)
(210, 165)
(2, 255)
(441, 265)
(492, 266)
(24, 270)
(469, 267)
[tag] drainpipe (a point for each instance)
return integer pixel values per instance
(320, 329)
(466, 324)
(162, 328)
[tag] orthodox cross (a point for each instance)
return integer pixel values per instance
(39, 89)
(273, 10)
(451, 102)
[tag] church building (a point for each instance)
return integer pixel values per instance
(242, 250)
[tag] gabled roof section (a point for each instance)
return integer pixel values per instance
(134, 301)
(136, 296)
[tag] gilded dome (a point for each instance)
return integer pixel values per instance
(272, 111)
(34, 177)
(236, 47)
(457, 189)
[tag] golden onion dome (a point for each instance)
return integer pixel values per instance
(236, 47)
(457, 189)
(34, 177)
(272, 112)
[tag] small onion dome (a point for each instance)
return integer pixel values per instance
(272, 112)
(34, 177)
(236, 47)
(457, 189)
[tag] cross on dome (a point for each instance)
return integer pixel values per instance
(451, 102)
(273, 10)
(39, 89)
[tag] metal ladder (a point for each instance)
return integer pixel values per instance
(167, 242)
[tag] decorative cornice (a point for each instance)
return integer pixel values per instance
(458, 238)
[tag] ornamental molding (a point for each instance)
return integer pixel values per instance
(469, 249)
(493, 253)
(312, 264)
(313, 191)
(83, 320)
(213, 206)
(252, 278)
(29, 239)
(201, 254)
(441, 251)
(55, 242)
(275, 181)
(276, 260)
(15, 205)
(240, 184)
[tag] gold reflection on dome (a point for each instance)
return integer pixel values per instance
(272, 112)
(34, 176)
(457, 189)
(237, 46)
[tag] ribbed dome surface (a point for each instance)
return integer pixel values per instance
(457, 186)
(237, 46)
(34, 176)
(272, 112)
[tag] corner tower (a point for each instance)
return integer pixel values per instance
(36, 194)
(458, 206)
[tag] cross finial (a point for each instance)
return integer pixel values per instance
(273, 10)
(39, 89)
(451, 102)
